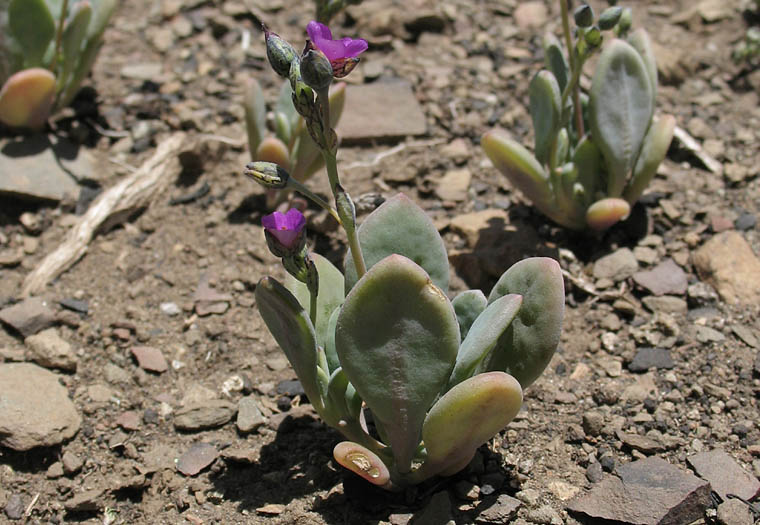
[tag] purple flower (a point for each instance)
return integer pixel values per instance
(334, 50)
(284, 231)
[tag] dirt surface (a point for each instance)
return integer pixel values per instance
(469, 64)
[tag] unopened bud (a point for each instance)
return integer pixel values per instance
(584, 16)
(593, 37)
(610, 17)
(316, 70)
(280, 53)
(268, 174)
(346, 209)
(626, 21)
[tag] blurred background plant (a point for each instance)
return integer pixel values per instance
(748, 50)
(594, 152)
(47, 48)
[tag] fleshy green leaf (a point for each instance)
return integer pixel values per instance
(329, 298)
(255, 116)
(397, 339)
(620, 109)
(546, 112)
(588, 161)
(27, 97)
(290, 326)
(520, 167)
(467, 416)
(73, 40)
(362, 461)
(103, 10)
(653, 151)
(484, 334)
(33, 27)
(606, 212)
(640, 41)
(468, 305)
(554, 60)
(529, 344)
(400, 226)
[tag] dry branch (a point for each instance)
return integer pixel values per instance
(111, 208)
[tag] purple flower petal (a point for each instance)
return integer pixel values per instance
(321, 37)
(286, 227)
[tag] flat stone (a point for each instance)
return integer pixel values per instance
(87, 501)
(209, 414)
(249, 416)
(616, 266)
(734, 512)
(646, 492)
(15, 507)
(472, 225)
(453, 185)
(666, 304)
(746, 334)
(129, 420)
(35, 409)
(208, 300)
(143, 71)
(41, 167)
(48, 349)
(71, 463)
(647, 358)
(643, 444)
(29, 316)
(150, 358)
(368, 115)
(724, 474)
(728, 263)
(665, 278)
(198, 457)
(530, 15)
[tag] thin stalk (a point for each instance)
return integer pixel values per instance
(319, 201)
(313, 307)
(59, 35)
(575, 68)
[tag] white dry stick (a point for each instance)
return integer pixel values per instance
(113, 206)
(693, 147)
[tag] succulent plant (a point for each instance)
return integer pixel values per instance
(583, 179)
(47, 48)
(439, 377)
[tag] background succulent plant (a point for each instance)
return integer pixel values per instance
(47, 48)
(439, 377)
(584, 179)
(291, 146)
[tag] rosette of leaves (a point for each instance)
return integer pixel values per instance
(291, 146)
(47, 48)
(439, 377)
(589, 179)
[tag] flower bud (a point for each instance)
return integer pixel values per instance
(280, 53)
(593, 37)
(316, 70)
(626, 21)
(268, 174)
(610, 17)
(584, 16)
(285, 232)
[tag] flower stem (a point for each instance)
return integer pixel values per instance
(319, 201)
(313, 307)
(575, 69)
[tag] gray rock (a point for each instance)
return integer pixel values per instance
(369, 103)
(593, 422)
(453, 185)
(42, 167)
(197, 457)
(665, 278)
(437, 511)
(544, 515)
(734, 512)
(142, 71)
(35, 409)
(728, 263)
(502, 510)
(51, 351)
(666, 304)
(29, 316)
(249, 416)
(643, 444)
(647, 492)
(647, 358)
(87, 501)
(724, 474)
(71, 463)
(208, 414)
(616, 266)
(15, 507)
